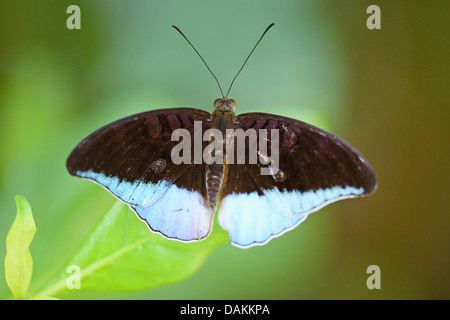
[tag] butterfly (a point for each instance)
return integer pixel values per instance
(134, 159)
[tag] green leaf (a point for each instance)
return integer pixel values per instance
(122, 254)
(18, 261)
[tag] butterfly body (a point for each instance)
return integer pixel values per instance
(222, 119)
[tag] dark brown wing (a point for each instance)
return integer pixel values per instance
(132, 158)
(309, 159)
(314, 168)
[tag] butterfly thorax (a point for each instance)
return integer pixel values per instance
(222, 119)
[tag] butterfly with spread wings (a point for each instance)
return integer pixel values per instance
(133, 159)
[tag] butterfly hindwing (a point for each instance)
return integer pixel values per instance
(182, 213)
(132, 159)
(315, 168)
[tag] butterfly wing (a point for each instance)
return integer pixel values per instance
(315, 168)
(132, 159)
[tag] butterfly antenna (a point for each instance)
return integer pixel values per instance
(220, 88)
(267, 29)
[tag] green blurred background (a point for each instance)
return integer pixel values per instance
(385, 91)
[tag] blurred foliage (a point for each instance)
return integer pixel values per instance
(385, 91)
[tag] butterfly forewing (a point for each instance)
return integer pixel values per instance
(309, 158)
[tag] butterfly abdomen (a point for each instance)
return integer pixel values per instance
(214, 180)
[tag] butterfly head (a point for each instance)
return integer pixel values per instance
(225, 105)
